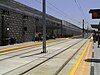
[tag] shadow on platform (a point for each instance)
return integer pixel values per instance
(31, 55)
(93, 60)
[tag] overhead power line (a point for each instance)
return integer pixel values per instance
(81, 10)
(50, 8)
(60, 11)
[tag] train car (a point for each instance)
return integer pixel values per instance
(69, 29)
(20, 23)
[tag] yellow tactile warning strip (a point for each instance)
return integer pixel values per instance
(23, 46)
(80, 60)
(84, 67)
(36, 44)
(14, 48)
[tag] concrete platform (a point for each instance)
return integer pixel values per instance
(96, 61)
(52, 66)
(18, 64)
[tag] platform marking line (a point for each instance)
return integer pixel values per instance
(13, 49)
(88, 54)
(20, 47)
(73, 70)
(84, 67)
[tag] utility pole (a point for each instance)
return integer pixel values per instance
(61, 29)
(44, 24)
(83, 28)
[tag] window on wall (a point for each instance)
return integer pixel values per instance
(25, 17)
(25, 28)
(36, 19)
(58, 24)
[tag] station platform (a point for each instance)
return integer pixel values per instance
(95, 67)
(63, 57)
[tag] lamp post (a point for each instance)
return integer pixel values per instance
(44, 24)
(83, 28)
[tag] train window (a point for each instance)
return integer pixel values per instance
(58, 24)
(25, 17)
(25, 28)
(36, 19)
(5, 12)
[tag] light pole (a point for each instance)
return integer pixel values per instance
(61, 28)
(83, 28)
(44, 24)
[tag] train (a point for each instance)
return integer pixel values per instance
(21, 23)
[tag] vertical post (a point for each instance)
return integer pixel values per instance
(2, 30)
(61, 28)
(23, 32)
(35, 29)
(83, 28)
(44, 25)
(99, 26)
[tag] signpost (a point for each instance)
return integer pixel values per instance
(95, 15)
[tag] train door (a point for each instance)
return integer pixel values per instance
(24, 28)
(28, 28)
(4, 27)
(0, 27)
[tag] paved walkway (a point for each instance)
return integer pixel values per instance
(24, 61)
(19, 64)
(52, 66)
(96, 61)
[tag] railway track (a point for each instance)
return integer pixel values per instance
(56, 55)
(57, 52)
(60, 68)
(67, 61)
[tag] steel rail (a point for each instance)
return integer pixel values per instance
(51, 57)
(67, 61)
(71, 45)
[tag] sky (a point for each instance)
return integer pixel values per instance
(68, 10)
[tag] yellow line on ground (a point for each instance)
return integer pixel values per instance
(20, 47)
(87, 67)
(84, 67)
(73, 70)
(15, 48)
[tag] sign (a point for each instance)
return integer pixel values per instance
(96, 15)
